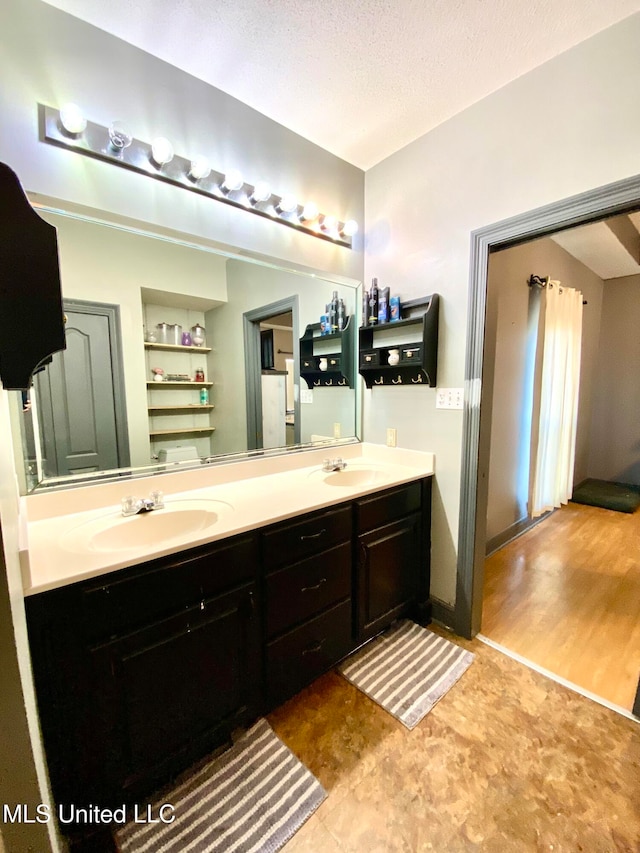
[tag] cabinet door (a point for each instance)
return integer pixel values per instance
(389, 570)
(169, 692)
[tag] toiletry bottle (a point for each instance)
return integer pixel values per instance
(394, 308)
(383, 305)
(342, 315)
(333, 311)
(365, 307)
(204, 396)
(373, 303)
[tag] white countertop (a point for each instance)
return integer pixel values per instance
(246, 495)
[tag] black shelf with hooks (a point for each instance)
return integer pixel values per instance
(339, 372)
(417, 361)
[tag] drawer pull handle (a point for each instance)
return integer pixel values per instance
(317, 586)
(313, 650)
(312, 535)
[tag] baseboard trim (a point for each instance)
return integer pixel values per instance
(443, 613)
(618, 709)
(512, 532)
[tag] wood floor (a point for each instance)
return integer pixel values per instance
(566, 595)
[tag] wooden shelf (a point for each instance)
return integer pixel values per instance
(179, 384)
(309, 357)
(186, 407)
(157, 432)
(419, 370)
(175, 347)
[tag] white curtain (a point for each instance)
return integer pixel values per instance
(553, 455)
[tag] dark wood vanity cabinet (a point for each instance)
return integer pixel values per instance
(142, 671)
(393, 547)
(145, 670)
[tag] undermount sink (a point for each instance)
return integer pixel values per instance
(114, 532)
(352, 476)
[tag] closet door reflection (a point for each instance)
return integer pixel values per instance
(81, 426)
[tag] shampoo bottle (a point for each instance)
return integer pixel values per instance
(383, 305)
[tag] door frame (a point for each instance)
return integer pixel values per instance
(591, 206)
(253, 374)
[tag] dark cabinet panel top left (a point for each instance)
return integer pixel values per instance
(31, 315)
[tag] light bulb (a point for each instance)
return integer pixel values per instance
(350, 228)
(200, 168)
(161, 150)
(72, 119)
(288, 203)
(261, 192)
(233, 181)
(329, 223)
(119, 136)
(310, 211)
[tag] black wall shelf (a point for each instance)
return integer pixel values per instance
(418, 359)
(340, 371)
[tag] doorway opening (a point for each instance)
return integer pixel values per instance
(272, 363)
(562, 595)
(620, 198)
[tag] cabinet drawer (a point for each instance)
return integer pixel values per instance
(287, 543)
(381, 508)
(166, 586)
(298, 657)
(298, 592)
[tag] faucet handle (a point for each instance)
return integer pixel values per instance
(157, 499)
(130, 505)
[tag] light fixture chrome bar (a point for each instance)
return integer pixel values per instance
(94, 142)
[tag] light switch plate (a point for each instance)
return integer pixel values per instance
(336, 430)
(449, 398)
(392, 437)
(306, 395)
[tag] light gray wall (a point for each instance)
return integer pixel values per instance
(508, 301)
(568, 126)
(615, 429)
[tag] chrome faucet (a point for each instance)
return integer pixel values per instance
(334, 464)
(134, 506)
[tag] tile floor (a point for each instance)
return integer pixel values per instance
(507, 761)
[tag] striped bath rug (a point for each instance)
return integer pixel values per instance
(406, 670)
(251, 799)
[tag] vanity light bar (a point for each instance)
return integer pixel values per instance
(157, 160)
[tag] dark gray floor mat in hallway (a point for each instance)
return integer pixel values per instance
(621, 497)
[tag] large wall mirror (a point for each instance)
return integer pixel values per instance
(177, 354)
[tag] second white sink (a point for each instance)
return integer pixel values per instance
(113, 532)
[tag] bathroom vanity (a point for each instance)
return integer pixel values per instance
(142, 669)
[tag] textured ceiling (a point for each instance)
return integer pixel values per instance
(598, 248)
(362, 78)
